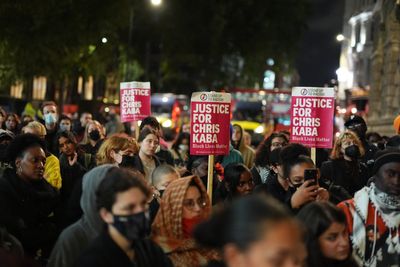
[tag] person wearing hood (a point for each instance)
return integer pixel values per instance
(237, 140)
(122, 204)
(373, 215)
(345, 168)
(27, 200)
(184, 205)
(75, 238)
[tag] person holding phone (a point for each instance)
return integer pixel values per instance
(302, 176)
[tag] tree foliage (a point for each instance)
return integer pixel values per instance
(183, 45)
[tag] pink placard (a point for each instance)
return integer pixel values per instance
(135, 101)
(311, 119)
(209, 123)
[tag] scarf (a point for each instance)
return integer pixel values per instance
(384, 206)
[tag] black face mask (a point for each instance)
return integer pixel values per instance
(94, 135)
(133, 227)
(352, 152)
(127, 161)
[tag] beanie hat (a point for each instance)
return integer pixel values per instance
(385, 156)
(396, 124)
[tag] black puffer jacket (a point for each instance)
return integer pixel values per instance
(27, 212)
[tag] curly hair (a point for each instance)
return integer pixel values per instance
(264, 149)
(336, 151)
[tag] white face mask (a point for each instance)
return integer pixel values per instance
(50, 118)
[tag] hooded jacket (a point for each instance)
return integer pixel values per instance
(167, 230)
(74, 239)
(248, 153)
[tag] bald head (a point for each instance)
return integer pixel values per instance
(163, 175)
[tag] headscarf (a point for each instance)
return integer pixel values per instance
(167, 227)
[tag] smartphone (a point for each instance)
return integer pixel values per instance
(311, 174)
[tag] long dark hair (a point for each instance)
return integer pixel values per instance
(317, 217)
(242, 223)
(264, 149)
(232, 174)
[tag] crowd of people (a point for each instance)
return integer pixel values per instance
(85, 193)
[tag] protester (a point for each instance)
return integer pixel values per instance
(122, 204)
(277, 185)
(12, 123)
(93, 137)
(345, 168)
(358, 125)
(146, 160)
(327, 239)
(52, 172)
(198, 166)
(262, 167)
(295, 161)
(247, 139)
(50, 116)
(237, 180)
(184, 204)
(65, 123)
(27, 200)
(3, 115)
(237, 140)
(373, 215)
(80, 126)
(5, 139)
(163, 154)
(113, 124)
(161, 177)
(117, 149)
(74, 163)
(180, 151)
(253, 231)
(393, 142)
(75, 238)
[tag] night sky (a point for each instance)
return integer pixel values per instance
(319, 53)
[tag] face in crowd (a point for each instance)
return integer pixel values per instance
(334, 242)
(85, 119)
(388, 178)
(30, 165)
(67, 147)
(278, 142)
(193, 203)
(50, 116)
(149, 145)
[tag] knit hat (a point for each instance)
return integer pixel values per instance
(385, 156)
(396, 124)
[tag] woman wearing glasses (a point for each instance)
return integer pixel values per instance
(184, 204)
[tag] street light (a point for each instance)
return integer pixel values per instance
(156, 2)
(340, 37)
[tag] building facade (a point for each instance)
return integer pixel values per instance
(370, 58)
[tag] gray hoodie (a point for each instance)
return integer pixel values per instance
(75, 238)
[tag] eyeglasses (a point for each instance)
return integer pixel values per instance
(190, 204)
(243, 183)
